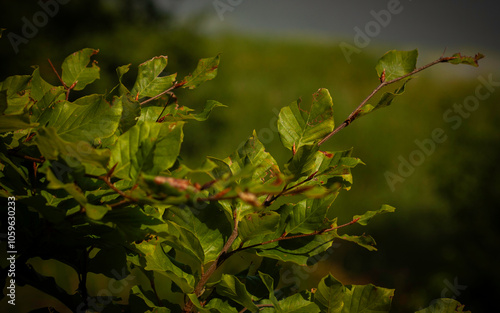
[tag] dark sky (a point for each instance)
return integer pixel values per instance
(458, 25)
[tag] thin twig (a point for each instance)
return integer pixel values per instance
(27, 157)
(354, 114)
(174, 86)
(286, 190)
(283, 237)
(57, 74)
(164, 107)
(107, 179)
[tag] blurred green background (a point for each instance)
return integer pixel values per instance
(443, 239)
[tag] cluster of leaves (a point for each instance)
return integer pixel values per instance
(99, 186)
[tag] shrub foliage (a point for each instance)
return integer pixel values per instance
(99, 186)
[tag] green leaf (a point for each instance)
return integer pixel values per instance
(298, 250)
(298, 127)
(251, 167)
(394, 64)
(88, 118)
(51, 146)
(157, 260)
(176, 113)
(75, 70)
(269, 283)
(43, 108)
(18, 97)
(297, 304)
(182, 171)
(322, 165)
(253, 153)
(365, 241)
(444, 305)
(149, 299)
(308, 215)
(120, 71)
(384, 101)
(149, 83)
(207, 223)
(229, 286)
(182, 240)
(205, 70)
(367, 299)
(329, 295)
(130, 113)
(95, 212)
(15, 122)
(147, 147)
(365, 218)
(457, 58)
(216, 305)
(256, 225)
(39, 87)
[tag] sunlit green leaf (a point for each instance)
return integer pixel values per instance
(365, 218)
(308, 215)
(396, 63)
(75, 69)
(365, 241)
(384, 101)
(39, 87)
(458, 58)
(205, 70)
(367, 299)
(299, 126)
(256, 225)
(329, 295)
(147, 147)
(297, 304)
(298, 250)
(149, 83)
(157, 260)
(88, 118)
(51, 146)
(130, 113)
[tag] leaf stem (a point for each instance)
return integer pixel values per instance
(107, 179)
(355, 113)
(174, 86)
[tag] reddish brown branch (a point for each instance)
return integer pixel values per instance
(287, 190)
(107, 180)
(284, 237)
(198, 290)
(57, 74)
(382, 84)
